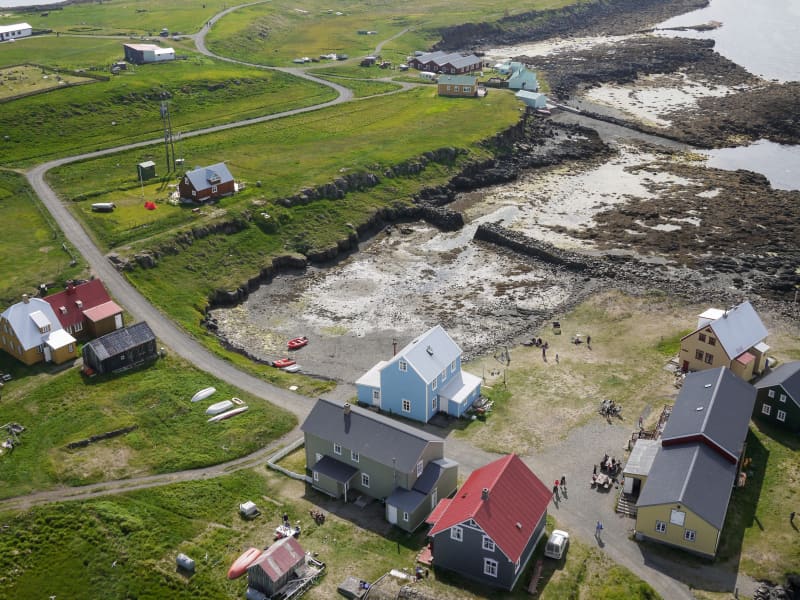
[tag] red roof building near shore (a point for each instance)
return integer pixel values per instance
(490, 528)
(86, 310)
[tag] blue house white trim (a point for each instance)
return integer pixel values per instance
(422, 379)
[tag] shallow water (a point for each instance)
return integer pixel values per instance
(762, 36)
(780, 164)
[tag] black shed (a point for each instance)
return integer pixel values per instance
(120, 350)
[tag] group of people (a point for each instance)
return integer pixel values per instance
(559, 488)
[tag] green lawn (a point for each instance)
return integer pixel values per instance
(200, 92)
(172, 432)
(32, 251)
(120, 17)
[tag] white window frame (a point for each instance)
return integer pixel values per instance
(661, 526)
(781, 416)
(376, 395)
(214, 189)
(782, 398)
(420, 468)
(78, 326)
(406, 405)
(365, 480)
(443, 376)
(456, 533)
(337, 449)
(453, 367)
(435, 383)
(690, 535)
(766, 409)
(354, 456)
(402, 365)
(487, 544)
(771, 393)
(316, 476)
(405, 516)
(490, 567)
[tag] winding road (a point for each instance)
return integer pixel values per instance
(579, 513)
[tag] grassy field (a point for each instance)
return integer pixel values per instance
(172, 433)
(126, 546)
(24, 80)
(119, 17)
(32, 250)
(200, 92)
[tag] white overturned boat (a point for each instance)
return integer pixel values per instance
(227, 414)
(219, 407)
(203, 394)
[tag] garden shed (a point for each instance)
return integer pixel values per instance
(120, 350)
(276, 566)
(146, 170)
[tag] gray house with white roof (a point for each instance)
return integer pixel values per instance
(732, 338)
(688, 488)
(352, 451)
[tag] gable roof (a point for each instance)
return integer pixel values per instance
(27, 318)
(280, 558)
(121, 340)
(787, 376)
(457, 80)
(14, 27)
(714, 406)
(429, 354)
(204, 177)
(737, 329)
(372, 435)
(76, 299)
(694, 476)
(516, 502)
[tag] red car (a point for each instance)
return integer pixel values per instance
(297, 342)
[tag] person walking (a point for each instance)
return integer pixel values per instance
(555, 492)
(598, 530)
(556, 357)
(564, 482)
(791, 517)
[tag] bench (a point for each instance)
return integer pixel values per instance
(535, 578)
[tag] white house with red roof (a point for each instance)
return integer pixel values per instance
(490, 528)
(86, 310)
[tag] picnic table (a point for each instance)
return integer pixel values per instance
(601, 480)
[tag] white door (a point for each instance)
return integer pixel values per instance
(391, 514)
(48, 356)
(627, 487)
(117, 321)
(435, 404)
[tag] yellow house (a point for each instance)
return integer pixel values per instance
(687, 490)
(31, 332)
(732, 338)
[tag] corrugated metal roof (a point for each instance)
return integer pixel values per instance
(103, 311)
(407, 500)
(205, 177)
(373, 435)
(737, 329)
(787, 376)
(14, 27)
(335, 469)
(457, 80)
(90, 294)
(280, 558)
(641, 459)
(715, 404)
(59, 339)
(517, 500)
(694, 476)
(121, 340)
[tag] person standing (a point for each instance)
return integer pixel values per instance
(598, 530)
(563, 482)
(791, 517)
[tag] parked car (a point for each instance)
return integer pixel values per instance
(556, 544)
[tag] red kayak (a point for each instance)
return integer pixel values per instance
(239, 566)
(297, 342)
(283, 362)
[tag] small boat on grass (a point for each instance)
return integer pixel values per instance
(227, 414)
(203, 394)
(282, 363)
(296, 343)
(219, 407)
(239, 566)
(292, 368)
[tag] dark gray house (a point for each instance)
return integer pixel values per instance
(490, 528)
(352, 451)
(120, 350)
(778, 397)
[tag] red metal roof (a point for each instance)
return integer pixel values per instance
(70, 304)
(102, 311)
(280, 558)
(516, 501)
(745, 358)
(438, 511)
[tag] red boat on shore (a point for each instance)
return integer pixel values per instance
(297, 342)
(239, 566)
(282, 363)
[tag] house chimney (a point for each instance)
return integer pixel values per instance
(485, 494)
(394, 347)
(25, 298)
(347, 408)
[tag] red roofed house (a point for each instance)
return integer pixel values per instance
(276, 566)
(490, 528)
(86, 310)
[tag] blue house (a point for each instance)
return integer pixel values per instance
(422, 379)
(532, 99)
(522, 79)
